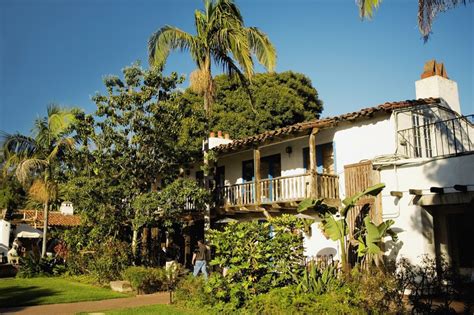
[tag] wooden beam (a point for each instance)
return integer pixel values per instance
(313, 164)
(416, 192)
(256, 164)
(397, 194)
(437, 190)
(462, 188)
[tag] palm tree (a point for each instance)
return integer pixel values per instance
(427, 11)
(36, 159)
(221, 37)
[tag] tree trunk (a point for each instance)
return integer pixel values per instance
(209, 90)
(45, 228)
(135, 243)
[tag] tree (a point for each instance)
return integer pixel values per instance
(427, 11)
(136, 152)
(37, 159)
(280, 99)
(220, 37)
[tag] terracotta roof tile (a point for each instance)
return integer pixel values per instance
(323, 123)
(54, 218)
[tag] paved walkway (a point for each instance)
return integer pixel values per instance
(92, 306)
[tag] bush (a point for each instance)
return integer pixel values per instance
(259, 256)
(430, 281)
(287, 301)
(318, 280)
(146, 280)
(376, 290)
(33, 266)
(191, 293)
(104, 262)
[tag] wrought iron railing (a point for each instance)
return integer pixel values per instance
(447, 137)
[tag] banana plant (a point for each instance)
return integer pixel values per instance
(334, 223)
(368, 242)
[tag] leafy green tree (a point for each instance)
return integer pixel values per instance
(37, 160)
(427, 11)
(12, 194)
(280, 99)
(122, 176)
(258, 256)
(221, 37)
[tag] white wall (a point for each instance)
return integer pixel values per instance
(437, 86)
(363, 140)
(417, 235)
(4, 236)
(317, 242)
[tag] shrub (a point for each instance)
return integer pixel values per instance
(259, 256)
(318, 280)
(287, 301)
(276, 301)
(146, 280)
(376, 289)
(104, 262)
(33, 266)
(430, 280)
(191, 292)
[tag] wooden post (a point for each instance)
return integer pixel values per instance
(155, 245)
(145, 250)
(256, 166)
(313, 164)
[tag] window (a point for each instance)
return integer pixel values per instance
(270, 166)
(220, 176)
(200, 178)
(324, 158)
(247, 170)
(421, 136)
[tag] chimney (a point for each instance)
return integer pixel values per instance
(435, 83)
(214, 141)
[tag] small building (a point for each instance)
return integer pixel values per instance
(422, 149)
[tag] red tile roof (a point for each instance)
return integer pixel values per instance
(323, 123)
(54, 218)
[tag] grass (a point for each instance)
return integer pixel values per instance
(150, 309)
(37, 291)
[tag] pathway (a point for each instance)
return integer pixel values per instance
(90, 306)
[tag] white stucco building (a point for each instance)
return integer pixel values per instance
(421, 149)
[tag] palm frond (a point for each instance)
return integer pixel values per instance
(17, 144)
(429, 9)
(163, 41)
(28, 166)
(262, 48)
(367, 7)
(232, 70)
(61, 145)
(60, 121)
(42, 191)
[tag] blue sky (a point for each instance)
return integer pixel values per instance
(58, 51)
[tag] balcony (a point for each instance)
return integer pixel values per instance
(283, 191)
(447, 137)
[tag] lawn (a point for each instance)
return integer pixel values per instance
(37, 291)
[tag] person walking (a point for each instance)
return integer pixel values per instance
(200, 257)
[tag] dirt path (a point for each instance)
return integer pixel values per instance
(92, 306)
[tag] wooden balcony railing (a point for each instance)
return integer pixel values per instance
(279, 189)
